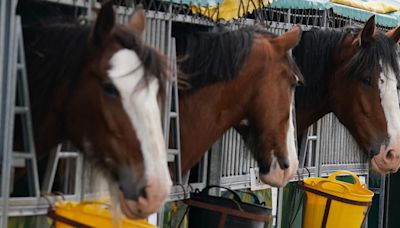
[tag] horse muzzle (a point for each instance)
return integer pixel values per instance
(386, 161)
(147, 200)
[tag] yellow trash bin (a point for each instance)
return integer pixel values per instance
(91, 214)
(332, 203)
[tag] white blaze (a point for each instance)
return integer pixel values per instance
(276, 176)
(390, 104)
(141, 105)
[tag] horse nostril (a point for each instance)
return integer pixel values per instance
(133, 194)
(131, 185)
(390, 155)
(375, 150)
(143, 192)
(284, 163)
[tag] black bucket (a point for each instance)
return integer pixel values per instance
(206, 210)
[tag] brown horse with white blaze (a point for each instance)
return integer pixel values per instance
(99, 86)
(354, 73)
(235, 76)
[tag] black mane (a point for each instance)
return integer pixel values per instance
(57, 52)
(315, 58)
(213, 56)
(383, 49)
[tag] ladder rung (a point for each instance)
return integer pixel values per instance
(313, 137)
(68, 155)
(172, 115)
(21, 110)
(20, 66)
(22, 155)
(170, 158)
(173, 151)
(18, 162)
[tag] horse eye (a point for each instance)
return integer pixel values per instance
(110, 89)
(367, 81)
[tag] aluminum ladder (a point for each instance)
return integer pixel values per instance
(16, 97)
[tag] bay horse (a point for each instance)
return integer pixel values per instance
(354, 73)
(235, 76)
(99, 86)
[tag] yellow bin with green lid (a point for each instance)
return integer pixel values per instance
(332, 203)
(92, 214)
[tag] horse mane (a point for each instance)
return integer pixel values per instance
(370, 57)
(315, 57)
(55, 54)
(208, 57)
(57, 51)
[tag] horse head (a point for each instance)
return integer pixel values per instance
(113, 113)
(268, 127)
(364, 93)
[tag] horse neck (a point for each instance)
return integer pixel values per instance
(204, 116)
(316, 57)
(50, 73)
(307, 115)
(312, 99)
(49, 132)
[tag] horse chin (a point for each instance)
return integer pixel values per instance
(137, 209)
(276, 177)
(130, 208)
(379, 167)
(156, 194)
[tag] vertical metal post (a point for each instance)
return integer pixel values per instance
(215, 171)
(387, 200)
(303, 148)
(90, 15)
(9, 48)
(325, 22)
(381, 212)
(317, 150)
(2, 59)
(79, 177)
(279, 208)
(22, 82)
(366, 184)
(51, 169)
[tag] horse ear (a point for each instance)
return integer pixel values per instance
(138, 20)
(366, 34)
(394, 34)
(289, 39)
(104, 24)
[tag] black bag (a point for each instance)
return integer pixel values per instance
(207, 211)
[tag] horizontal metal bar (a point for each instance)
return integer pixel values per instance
(68, 154)
(23, 155)
(312, 137)
(358, 169)
(173, 152)
(27, 206)
(81, 3)
(21, 110)
(179, 192)
(236, 182)
(20, 66)
(171, 158)
(18, 162)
